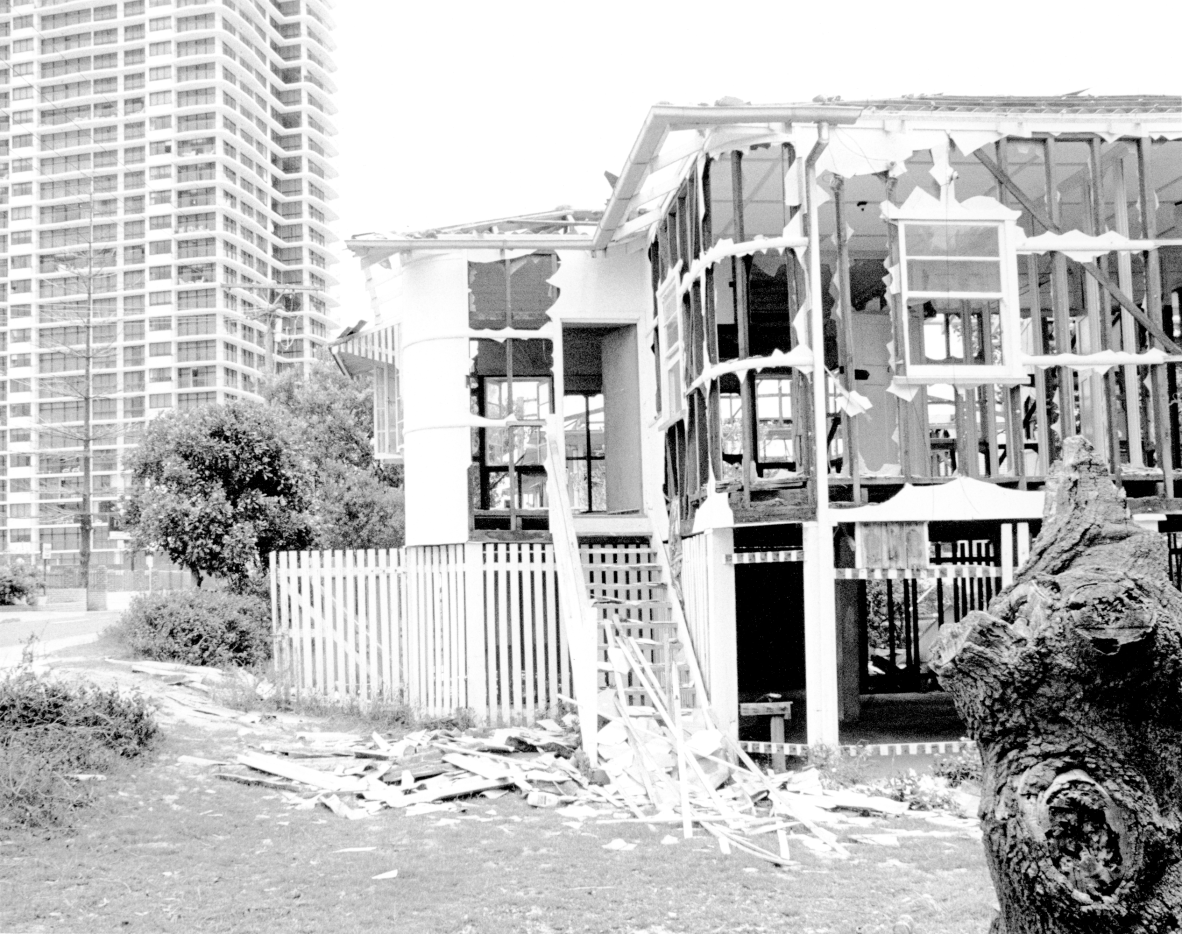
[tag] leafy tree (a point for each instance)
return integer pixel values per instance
(356, 502)
(331, 416)
(218, 488)
(355, 509)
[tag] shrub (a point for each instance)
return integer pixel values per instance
(17, 582)
(51, 732)
(963, 767)
(198, 627)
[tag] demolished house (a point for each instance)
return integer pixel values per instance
(779, 412)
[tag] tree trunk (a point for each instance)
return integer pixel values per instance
(1072, 686)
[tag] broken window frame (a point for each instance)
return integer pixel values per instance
(523, 471)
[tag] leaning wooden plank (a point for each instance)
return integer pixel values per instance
(648, 680)
(478, 765)
(457, 789)
(790, 808)
(859, 802)
(299, 773)
(262, 782)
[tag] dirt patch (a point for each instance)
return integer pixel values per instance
(170, 848)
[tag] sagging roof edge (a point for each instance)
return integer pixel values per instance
(660, 121)
(664, 118)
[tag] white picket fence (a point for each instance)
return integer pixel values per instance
(440, 628)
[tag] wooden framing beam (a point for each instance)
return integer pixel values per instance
(1164, 408)
(1060, 305)
(1094, 272)
(1103, 319)
(1012, 396)
(742, 272)
(706, 235)
(846, 333)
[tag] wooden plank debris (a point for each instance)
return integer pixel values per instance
(662, 763)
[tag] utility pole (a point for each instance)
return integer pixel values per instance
(275, 311)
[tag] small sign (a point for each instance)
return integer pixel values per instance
(46, 550)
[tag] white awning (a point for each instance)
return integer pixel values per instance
(963, 499)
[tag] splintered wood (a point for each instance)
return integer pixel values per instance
(667, 764)
(661, 764)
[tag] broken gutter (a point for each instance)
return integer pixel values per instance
(663, 119)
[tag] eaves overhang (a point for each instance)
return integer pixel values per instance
(664, 119)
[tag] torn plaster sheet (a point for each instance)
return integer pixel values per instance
(905, 391)
(475, 421)
(886, 470)
(969, 141)
(496, 255)
(849, 401)
(799, 357)
(1098, 363)
(941, 169)
(726, 248)
(1081, 247)
(922, 206)
(800, 323)
(546, 332)
(864, 150)
(612, 287)
(715, 512)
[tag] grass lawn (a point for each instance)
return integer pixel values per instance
(169, 848)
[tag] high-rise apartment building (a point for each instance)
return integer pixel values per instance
(164, 200)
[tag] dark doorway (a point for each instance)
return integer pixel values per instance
(769, 621)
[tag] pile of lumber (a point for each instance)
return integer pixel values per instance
(419, 770)
(659, 765)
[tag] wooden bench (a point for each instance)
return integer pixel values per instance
(778, 711)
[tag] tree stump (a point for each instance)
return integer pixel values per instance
(1071, 685)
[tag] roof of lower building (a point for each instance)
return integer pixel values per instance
(1076, 103)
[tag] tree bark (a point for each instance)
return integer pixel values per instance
(1072, 686)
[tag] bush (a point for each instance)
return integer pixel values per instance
(51, 732)
(198, 627)
(17, 582)
(964, 767)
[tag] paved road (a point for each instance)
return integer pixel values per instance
(54, 630)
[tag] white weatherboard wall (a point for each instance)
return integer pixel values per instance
(428, 294)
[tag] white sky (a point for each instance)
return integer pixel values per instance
(455, 112)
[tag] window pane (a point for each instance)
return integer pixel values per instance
(575, 412)
(952, 240)
(773, 409)
(532, 490)
(576, 479)
(528, 446)
(939, 275)
(943, 329)
(595, 417)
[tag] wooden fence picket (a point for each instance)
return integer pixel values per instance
(442, 627)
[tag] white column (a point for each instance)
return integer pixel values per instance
(820, 624)
(820, 635)
(724, 670)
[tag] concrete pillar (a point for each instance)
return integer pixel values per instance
(820, 635)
